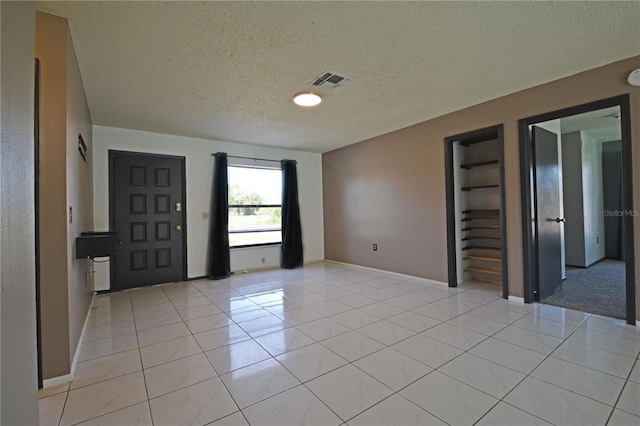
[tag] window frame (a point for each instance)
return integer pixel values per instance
(240, 206)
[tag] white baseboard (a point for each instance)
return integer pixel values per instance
(411, 277)
(266, 268)
(516, 299)
(258, 269)
(84, 328)
(55, 381)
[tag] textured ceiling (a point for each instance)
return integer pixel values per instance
(600, 124)
(227, 70)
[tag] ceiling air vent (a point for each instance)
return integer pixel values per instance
(330, 80)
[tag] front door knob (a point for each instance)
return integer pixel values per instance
(558, 219)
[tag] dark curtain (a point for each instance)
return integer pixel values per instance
(219, 264)
(291, 255)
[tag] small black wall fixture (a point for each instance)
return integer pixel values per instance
(82, 148)
(219, 258)
(291, 255)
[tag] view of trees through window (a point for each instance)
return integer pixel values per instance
(255, 196)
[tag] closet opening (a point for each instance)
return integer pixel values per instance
(476, 221)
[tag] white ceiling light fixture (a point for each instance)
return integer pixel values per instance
(634, 77)
(307, 99)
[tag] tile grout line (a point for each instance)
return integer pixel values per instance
(144, 377)
(615, 405)
(551, 384)
(304, 383)
(322, 291)
(64, 405)
(352, 363)
(468, 351)
(100, 381)
(217, 375)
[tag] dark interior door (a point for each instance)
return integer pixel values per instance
(147, 211)
(549, 224)
(613, 202)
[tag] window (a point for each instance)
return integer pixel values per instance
(255, 197)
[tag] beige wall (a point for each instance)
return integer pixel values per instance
(65, 181)
(51, 49)
(79, 196)
(19, 403)
(390, 190)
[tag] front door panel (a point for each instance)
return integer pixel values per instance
(147, 212)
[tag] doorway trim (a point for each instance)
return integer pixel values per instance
(527, 179)
(36, 193)
(112, 214)
(451, 208)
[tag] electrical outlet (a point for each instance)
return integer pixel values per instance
(70, 214)
(263, 260)
(375, 247)
(597, 240)
(205, 215)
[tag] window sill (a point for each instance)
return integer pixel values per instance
(255, 246)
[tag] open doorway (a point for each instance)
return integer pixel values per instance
(589, 158)
(578, 206)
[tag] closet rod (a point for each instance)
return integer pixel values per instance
(249, 158)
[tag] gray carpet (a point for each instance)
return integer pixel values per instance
(599, 289)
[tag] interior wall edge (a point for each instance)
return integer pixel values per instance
(18, 350)
(79, 192)
(76, 354)
(51, 49)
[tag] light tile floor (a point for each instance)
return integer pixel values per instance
(334, 345)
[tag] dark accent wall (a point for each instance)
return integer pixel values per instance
(390, 189)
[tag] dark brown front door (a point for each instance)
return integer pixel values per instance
(549, 223)
(148, 211)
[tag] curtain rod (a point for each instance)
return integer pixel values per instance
(249, 158)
